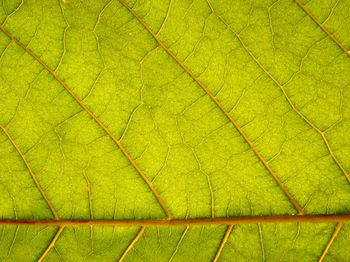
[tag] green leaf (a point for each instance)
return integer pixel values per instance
(174, 130)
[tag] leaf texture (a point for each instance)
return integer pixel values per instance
(180, 111)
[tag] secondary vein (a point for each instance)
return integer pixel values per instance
(31, 173)
(116, 141)
(322, 27)
(213, 98)
(321, 133)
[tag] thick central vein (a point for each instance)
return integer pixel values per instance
(187, 222)
(213, 98)
(116, 141)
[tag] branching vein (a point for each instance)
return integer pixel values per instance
(132, 243)
(126, 154)
(213, 98)
(223, 242)
(334, 235)
(52, 243)
(31, 173)
(322, 27)
(321, 133)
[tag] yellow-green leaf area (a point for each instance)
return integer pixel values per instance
(153, 111)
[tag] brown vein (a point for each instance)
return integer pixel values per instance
(116, 141)
(321, 133)
(31, 173)
(223, 242)
(132, 243)
(52, 243)
(264, 162)
(322, 27)
(185, 222)
(334, 235)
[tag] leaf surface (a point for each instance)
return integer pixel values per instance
(162, 110)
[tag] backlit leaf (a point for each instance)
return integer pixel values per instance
(169, 116)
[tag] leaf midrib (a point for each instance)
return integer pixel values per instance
(319, 218)
(329, 217)
(199, 83)
(265, 163)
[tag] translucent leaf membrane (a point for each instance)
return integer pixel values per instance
(174, 110)
(285, 242)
